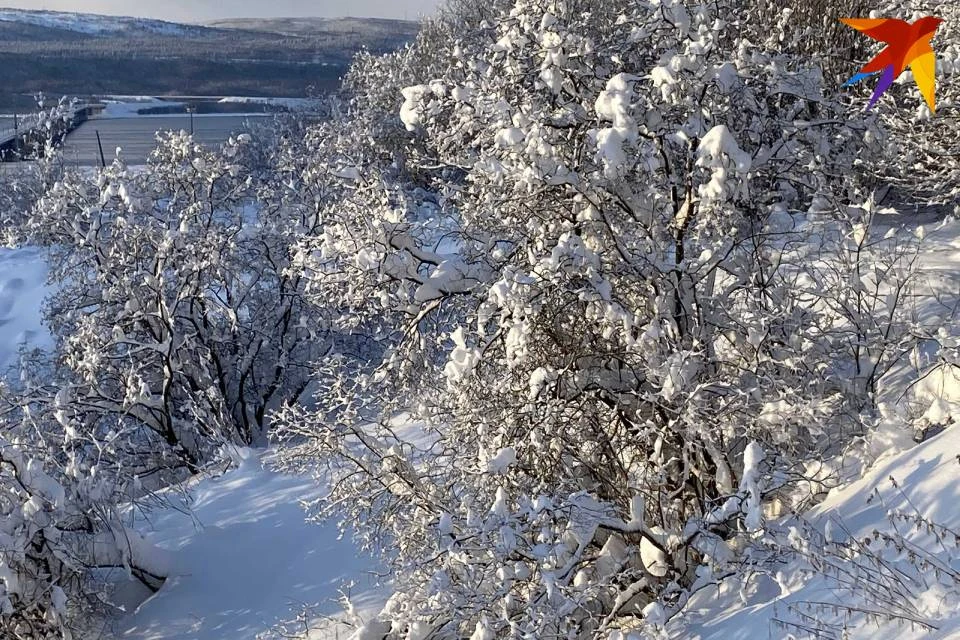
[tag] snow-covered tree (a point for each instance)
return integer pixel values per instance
(178, 326)
(22, 184)
(600, 332)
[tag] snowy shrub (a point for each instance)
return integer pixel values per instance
(813, 27)
(607, 280)
(59, 490)
(178, 328)
(58, 522)
(18, 190)
(933, 400)
(22, 184)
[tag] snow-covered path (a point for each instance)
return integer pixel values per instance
(245, 560)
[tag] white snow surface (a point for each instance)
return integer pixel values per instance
(23, 274)
(246, 559)
(410, 111)
(929, 475)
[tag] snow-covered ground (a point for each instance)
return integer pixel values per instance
(23, 274)
(246, 559)
(906, 484)
(927, 481)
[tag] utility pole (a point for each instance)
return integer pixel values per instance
(16, 135)
(103, 161)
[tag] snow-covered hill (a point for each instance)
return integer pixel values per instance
(58, 53)
(98, 25)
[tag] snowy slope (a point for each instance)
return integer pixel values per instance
(246, 559)
(928, 477)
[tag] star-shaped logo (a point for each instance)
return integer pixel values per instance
(908, 45)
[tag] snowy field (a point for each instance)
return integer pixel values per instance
(245, 559)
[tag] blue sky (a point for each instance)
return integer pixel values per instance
(203, 10)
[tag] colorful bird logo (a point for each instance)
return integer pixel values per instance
(907, 45)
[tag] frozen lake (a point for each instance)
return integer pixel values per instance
(6, 123)
(136, 136)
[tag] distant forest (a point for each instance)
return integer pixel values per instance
(200, 61)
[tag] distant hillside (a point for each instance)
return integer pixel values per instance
(367, 28)
(97, 25)
(67, 53)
